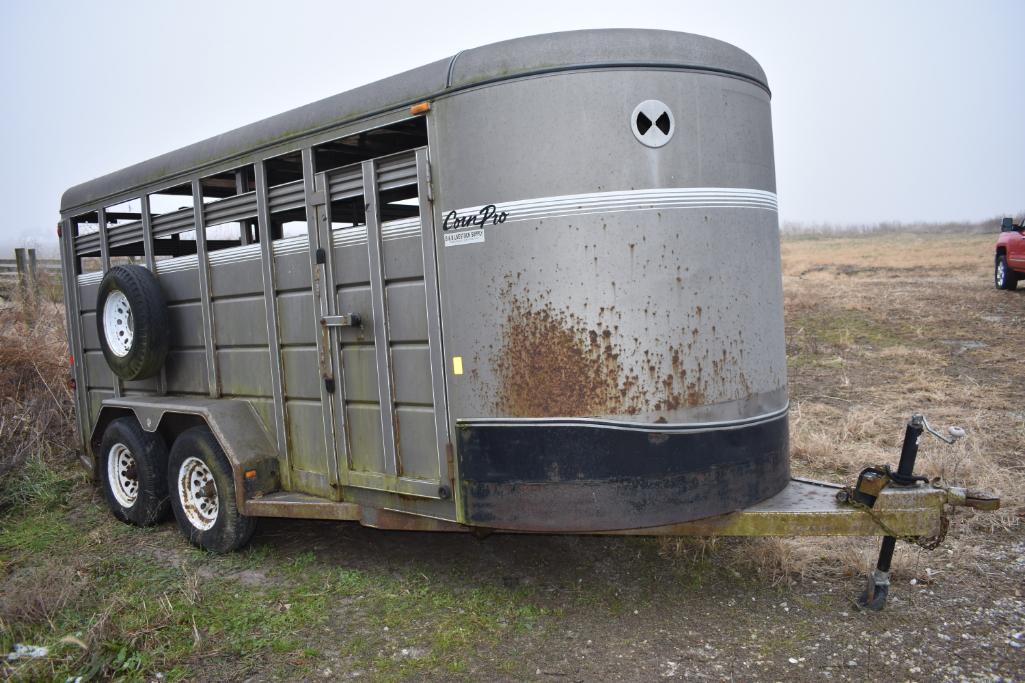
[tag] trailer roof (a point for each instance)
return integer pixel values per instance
(516, 58)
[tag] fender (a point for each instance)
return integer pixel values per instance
(235, 424)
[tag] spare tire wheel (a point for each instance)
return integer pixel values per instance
(131, 320)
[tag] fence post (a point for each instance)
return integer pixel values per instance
(21, 261)
(25, 261)
(33, 275)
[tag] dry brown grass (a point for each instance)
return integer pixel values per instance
(959, 255)
(918, 329)
(36, 596)
(881, 327)
(36, 416)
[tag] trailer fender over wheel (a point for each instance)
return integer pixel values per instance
(132, 467)
(203, 498)
(132, 322)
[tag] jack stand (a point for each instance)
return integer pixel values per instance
(874, 596)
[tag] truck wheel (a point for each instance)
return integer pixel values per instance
(132, 467)
(1003, 277)
(203, 493)
(131, 320)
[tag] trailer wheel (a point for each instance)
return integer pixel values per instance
(203, 493)
(132, 323)
(1003, 277)
(132, 466)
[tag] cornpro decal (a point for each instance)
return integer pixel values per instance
(469, 228)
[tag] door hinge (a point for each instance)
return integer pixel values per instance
(329, 384)
(321, 256)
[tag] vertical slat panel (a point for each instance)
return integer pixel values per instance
(147, 235)
(342, 433)
(101, 218)
(377, 295)
(270, 303)
(72, 308)
(240, 188)
(318, 226)
(203, 264)
(437, 354)
(149, 250)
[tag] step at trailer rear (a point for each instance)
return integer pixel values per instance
(534, 287)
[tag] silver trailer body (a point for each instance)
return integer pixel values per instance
(549, 301)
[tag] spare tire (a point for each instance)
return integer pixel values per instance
(132, 322)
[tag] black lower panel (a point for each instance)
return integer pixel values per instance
(578, 477)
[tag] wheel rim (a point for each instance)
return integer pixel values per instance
(118, 325)
(198, 492)
(122, 475)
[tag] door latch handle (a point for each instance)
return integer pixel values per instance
(347, 320)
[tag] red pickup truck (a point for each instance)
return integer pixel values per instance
(1009, 262)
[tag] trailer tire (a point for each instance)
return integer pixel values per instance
(1003, 276)
(202, 487)
(132, 322)
(132, 471)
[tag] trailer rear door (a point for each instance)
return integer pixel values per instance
(381, 325)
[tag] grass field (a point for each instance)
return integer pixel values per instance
(878, 327)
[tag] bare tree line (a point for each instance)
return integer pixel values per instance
(989, 225)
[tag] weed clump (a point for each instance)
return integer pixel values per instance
(36, 415)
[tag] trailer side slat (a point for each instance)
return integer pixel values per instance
(380, 313)
(126, 233)
(173, 222)
(151, 263)
(336, 447)
(345, 185)
(436, 354)
(231, 209)
(203, 262)
(342, 432)
(286, 197)
(87, 244)
(397, 171)
(105, 267)
(270, 306)
(73, 311)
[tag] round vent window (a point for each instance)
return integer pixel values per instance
(652, 123)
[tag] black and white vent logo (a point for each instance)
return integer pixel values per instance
(652, 123)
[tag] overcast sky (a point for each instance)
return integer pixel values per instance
(881, 110)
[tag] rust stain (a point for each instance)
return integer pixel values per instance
(550, 365)
(550, 362)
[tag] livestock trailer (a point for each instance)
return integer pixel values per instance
(534, 287)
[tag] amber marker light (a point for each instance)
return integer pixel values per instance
(420, 108)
